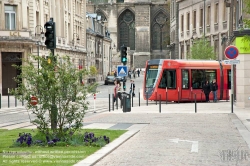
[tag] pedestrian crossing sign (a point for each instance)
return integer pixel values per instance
(122, 71)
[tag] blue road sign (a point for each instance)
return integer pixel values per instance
(231, 52)
(122, 71)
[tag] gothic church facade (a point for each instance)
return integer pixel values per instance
(141, 25)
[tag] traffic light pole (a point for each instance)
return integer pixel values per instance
(54, 110)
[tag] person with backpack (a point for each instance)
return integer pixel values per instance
(214, 88)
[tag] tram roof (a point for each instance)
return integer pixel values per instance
(191, 63)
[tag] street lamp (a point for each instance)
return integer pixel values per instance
(38, 42)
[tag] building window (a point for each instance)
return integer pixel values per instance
(160, 32)
(216, 13)
(182, 23)
(201, 17)
(208, 15)
(188, 21)
(127, 29)
(10, 17)
(194, 19)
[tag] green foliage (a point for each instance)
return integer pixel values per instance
(93, 71)
(201, 49)
(60, 154)
(57, 85)
(247, 11)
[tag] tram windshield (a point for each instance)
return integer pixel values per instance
(152, 73)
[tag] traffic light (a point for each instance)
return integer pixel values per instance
(124, 58)
(124, 85)
(50, 34)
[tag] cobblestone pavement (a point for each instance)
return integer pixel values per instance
(178, 139)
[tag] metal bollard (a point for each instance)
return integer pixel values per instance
(195, 106)
(8, 98)
(116, 102)
(15, 102)
(166, 95)
(232, 103)
(113, 103)
(227, 95)
(109, 102)
(178, 95)
(139, 99)
(147, 97)
(160, 103)
(156, 98)
(22, 100)
(132, 100)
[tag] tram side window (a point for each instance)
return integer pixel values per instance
(185, 79)
(197, 78)
(200, 76)
(168, 79)
(210, 75)
(229, 79)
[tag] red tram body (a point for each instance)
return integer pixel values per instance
(180, 80)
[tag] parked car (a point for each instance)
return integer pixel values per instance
(121, 79)
(109, 80)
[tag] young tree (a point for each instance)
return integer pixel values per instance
(61, 96)
(247, 13)
(201, 49)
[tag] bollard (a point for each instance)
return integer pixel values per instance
(116, 102)
(166, 95)
(178, 95)
(8, 98)
(22, 100)
(0, 100)
(15, 102)
(147, 97)
(160, 103)
(195, 106)
(227, 95)
(139, 99)
(132, 100)
(232, 103)
(113, 103)
(109, 102)
(156, 98)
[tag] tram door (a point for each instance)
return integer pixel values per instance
(185, 88)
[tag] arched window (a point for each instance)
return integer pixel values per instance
(160, 32)
(126, 27)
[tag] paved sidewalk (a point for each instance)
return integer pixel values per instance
(163, 138)
(225, 131)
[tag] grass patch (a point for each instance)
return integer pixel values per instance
(44, 155)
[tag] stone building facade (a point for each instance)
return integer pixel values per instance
(22, 33)
(98, 45)
(141, 25)
(191, 19)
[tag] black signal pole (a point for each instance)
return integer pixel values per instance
(50, 42)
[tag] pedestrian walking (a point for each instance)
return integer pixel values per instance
(206, 90)
(138, 72)
(132, 88)
(117, 91)
(134, 73)
(214, 88)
